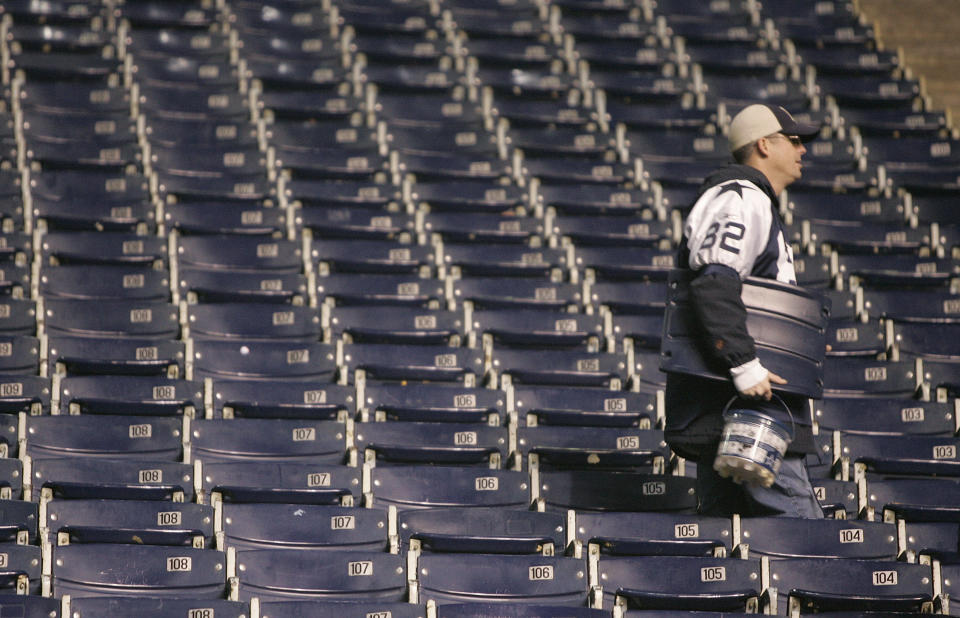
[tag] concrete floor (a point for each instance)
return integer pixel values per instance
(928, 32)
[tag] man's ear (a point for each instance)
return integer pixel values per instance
(763, 146)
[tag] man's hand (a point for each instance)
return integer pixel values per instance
(762, 389)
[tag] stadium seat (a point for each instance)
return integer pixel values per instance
(793, 537)
(268, 440)
(539, 405)
(123, 356)
(295, 526)
(88, 607)
(279, 482)
(109, 479)
(297, 574)
(650, 582)
(502, 579)
(615, 491)
(264, 360)
(95, 569)
(417, 487)
(648, 534)
(433, 443)
(494, 530)
(157, 438)
(137, 522)
(393, 362)
(281, 399)
(432, 403)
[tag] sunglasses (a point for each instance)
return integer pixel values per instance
(794, 139)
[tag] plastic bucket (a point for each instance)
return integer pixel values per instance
(752, 446)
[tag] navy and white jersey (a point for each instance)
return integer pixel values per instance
(734, 224)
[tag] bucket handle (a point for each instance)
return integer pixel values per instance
(793, 424)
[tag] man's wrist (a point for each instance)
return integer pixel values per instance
(748, 374)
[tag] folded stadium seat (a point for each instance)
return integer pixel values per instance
(209, 73)
(592, 199)
(624, 263)
(933, 340)
(418, 109)
(103, 248)
(206, 286)
(648, 298)
(109, 479)
(18, 522)
(926, 540)
(592, 448)
(21, 572)
(439, 168)
(85, 570)
(302, 137)
(395, 362)
(109, 318)
(498, 578)
(16, 249)
(334, 609)
(230, 252)
(66, 97)
(295, 526)
(886, 122)
(644, 331)
(737, 92)
(128, 395)
(113, 355)
(526, 82)
(459, 140)
(668, 146)
(604, 230)
(432, 443)
(456, 227)
(536, 113)
(831, 181)
(495, 530)
(805, 584)
(913, 154)
(910, 499)
(606, 534)
(84, 156)
(591, 490)
(751, 57)
(535, 328)
(471, 196)
(353, 223)
(571, 142)
(88, 607)
(285, 482)
(432, 403)
(169, 131)
(640, 86)
(893, 416)
(371, 257)
(30, 606)
(89, 214)
(224, 218)
(138, 522)
(155, 15)
(263, 360)
(341, 162)
(557, 367)
(18, 316)
(104, 282)
(583, 406)
(790, 537)
(370, 195)
(515, 610)
(223, 105)
(854, 337)
(400, 325)
(867, 91)
(29, 394)
(269, 440)
(864, 237)
(249, 321)
(900, 455)
(300, 574)
(708, 583)
(19, 355)
(281, 399)
(896, 276)
(814, 206)
(575, 172)
(513, 293)
(864, 377)
(418, 487)
(949, 574)
(248, 189)
(113, 437)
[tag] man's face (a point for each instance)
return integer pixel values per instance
(786, 152)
